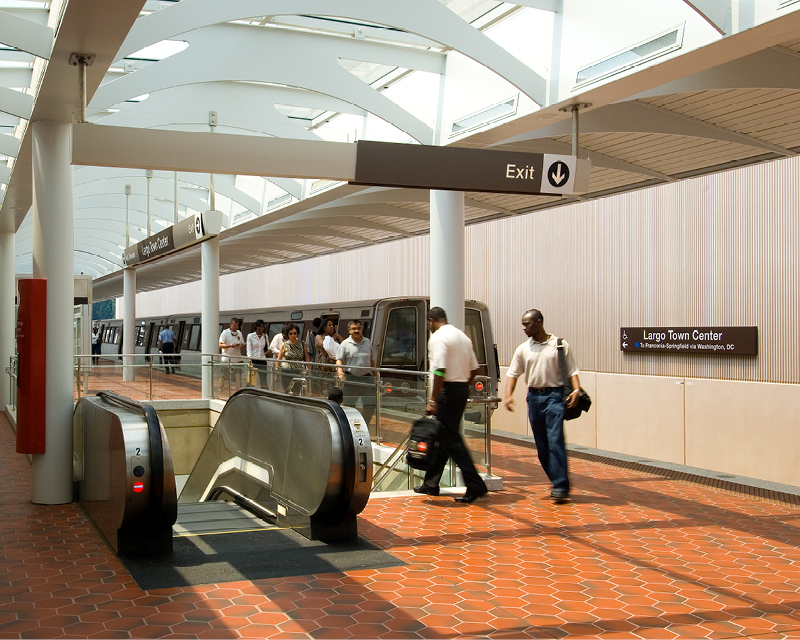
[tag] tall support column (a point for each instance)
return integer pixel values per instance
(128, 324)
(209, 328)
(7, 319)
(448, 289)
(53, 259)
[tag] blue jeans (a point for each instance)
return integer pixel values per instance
(546, 414)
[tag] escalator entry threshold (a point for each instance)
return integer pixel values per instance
(208, 518)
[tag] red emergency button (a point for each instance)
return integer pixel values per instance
(478, 386)
(138, 486)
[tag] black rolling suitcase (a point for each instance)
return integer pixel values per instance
(423, 443)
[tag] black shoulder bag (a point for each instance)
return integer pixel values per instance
(584, 401)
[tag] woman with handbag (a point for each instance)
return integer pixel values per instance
(327, 344)
(292, 353)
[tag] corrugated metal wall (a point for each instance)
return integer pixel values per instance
(712, 251)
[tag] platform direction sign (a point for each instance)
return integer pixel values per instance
(460, 169)
(742, 341)
(187, 232)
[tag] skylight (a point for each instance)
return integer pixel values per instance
(159, 50)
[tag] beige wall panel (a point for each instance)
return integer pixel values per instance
(641, 416)
(744, 428)
(512, 421)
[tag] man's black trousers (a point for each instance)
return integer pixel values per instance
(450, 407)
(168, 348)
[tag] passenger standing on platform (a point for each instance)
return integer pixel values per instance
(454, 365)
(166, 343)
(230, 344)
(327, 348)
(327, 343)
(256, 348)
(95, 346)
(537, 360)
(354, 357)
(292, 352)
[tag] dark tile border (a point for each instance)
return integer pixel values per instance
(751, 487)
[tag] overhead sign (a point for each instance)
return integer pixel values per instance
(459, 169)
(187, 232)
(742, 341)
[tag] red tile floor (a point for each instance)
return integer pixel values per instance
(632, 556)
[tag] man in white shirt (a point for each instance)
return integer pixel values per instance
(537, 360)
(454, 365)
(230, 345)
(256, 345)
(354, 357)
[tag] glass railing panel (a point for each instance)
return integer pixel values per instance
(389, 399)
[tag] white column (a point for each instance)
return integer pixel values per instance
(8, 326)
(53, 259)
(448, 289)
(209, 328)
(129, 324)
(149, 174)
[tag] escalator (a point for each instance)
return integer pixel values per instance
(271, 462)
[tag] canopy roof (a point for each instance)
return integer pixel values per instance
(665, 90)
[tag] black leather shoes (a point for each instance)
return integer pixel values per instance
(470, 497)
(428, 491)
(559, 495)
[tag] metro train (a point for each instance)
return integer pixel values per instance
(396, 327)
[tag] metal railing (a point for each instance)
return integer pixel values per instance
(13, 374)
(398, 396)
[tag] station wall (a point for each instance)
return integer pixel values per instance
(718, 250)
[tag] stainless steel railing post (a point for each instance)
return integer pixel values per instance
(151, 378)
(78, 378)
(378, 406)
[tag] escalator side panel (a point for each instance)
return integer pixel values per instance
(112, 453)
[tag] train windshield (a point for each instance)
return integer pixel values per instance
(473, 327)
(400, 347)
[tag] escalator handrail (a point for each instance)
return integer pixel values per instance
(155, 506)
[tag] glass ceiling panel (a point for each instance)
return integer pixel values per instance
(471, 10)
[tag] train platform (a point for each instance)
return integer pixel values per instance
(637, 553)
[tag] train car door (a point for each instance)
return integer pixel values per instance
(179, 336)
(400, 340)
(478, 327)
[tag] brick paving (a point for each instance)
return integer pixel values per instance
(632, 556)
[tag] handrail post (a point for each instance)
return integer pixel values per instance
(151, 378)
(78, 381)
(230, 379)
(378, 406)
(488, 441)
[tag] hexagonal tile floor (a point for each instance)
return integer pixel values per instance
(632, 556)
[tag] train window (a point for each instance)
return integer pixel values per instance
(155, 334)
(107, 335)
(296, 315)
(140, 332)
(117, 338)
(194, 338)
(274, 329)
(400, 343)
(185, 337)
(474, 329)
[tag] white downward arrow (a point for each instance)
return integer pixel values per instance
(558, 177)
